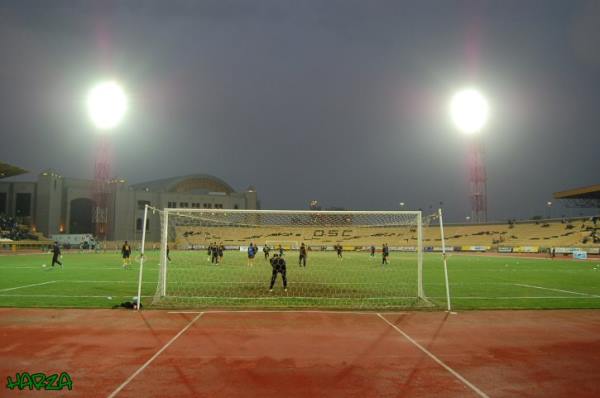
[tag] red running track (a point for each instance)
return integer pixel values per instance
(305, 354)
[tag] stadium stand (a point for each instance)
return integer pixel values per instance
(9, 229)
(581, 232)
(542, 233)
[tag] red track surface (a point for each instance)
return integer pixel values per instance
(299, 354)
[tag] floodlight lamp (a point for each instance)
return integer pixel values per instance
(469, 111)
(106, 105)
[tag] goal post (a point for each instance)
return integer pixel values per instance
(228, 278)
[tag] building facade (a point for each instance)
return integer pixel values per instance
(54, 204)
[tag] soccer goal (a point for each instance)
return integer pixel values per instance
(359, 280)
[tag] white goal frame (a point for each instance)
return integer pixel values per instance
(178, 211)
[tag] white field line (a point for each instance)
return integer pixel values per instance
(376, 298)
(148, 362)
(274, 297)
(22, 254)
(293, 312)
(313, 298)
(90, 268)
(556, 290)
(92, 281)
(562, 258)
(22, 287)
(436, 359)
(61, 296)
(517, 297)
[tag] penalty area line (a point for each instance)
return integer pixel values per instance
(436, 359)
(23, 287)
(148, 362)
(275, 311)
(556, 290)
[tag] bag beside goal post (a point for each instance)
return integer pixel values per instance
(205, 259)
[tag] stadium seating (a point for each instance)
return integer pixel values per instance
(543, 234)
(9, 229)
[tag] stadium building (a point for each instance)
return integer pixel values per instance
(55, 204)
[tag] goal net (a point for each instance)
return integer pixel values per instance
(209, 262)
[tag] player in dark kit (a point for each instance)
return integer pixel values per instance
(56, 254)
(209, 251)
(372, 251)
(126, 252)
(266, 250)
(338, 249)
(214, 251)
(385, 252)
(221, 251)
(280, 251)
(168, 252)
(302, 257)
(278, 265)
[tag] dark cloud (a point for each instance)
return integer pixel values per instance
(341, 101)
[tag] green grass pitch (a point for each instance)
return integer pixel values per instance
(357, 282)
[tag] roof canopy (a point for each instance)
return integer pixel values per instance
(591, 192)
(6, 170)
(190, 183)
(585, 197)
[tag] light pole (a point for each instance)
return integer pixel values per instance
(106, 105)
(401, 206)
(549, 205)
(469, 111)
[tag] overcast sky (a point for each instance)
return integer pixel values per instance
(341, 101)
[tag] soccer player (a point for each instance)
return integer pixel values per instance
(338, 249)
(385, 252)
(168, 251)
(280, 250)
(266, 250)
(302, 258)
(278, 265)
(126, 252)
(251, 254)
(214, 251)
(372, 250)
(221, 251)
(55, 254)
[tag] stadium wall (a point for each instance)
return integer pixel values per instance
(53, 197)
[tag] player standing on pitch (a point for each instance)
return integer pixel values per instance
(55, 254)
(372, 250)
(221, 251)
(385, 252)
(302, 257)
(251, 254)
(278, 265)
(280, 251)
(214, 251)
(266, 250)
(126, 253)
(338, 249)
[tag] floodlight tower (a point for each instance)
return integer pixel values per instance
(106, 105)
(469, 111)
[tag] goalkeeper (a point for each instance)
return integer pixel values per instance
(278, 264)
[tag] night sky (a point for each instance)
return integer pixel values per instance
(340, 101)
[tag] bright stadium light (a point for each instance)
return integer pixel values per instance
(469, 111)
(106, 105)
